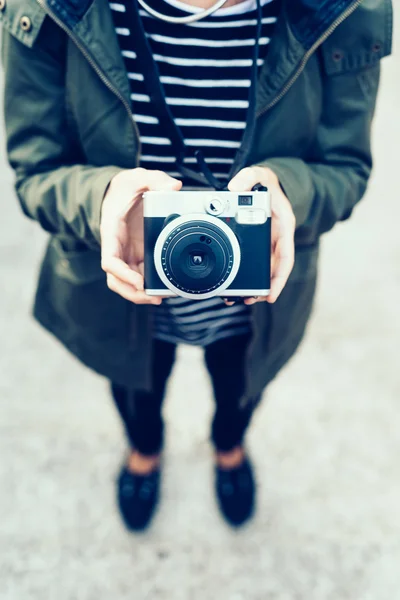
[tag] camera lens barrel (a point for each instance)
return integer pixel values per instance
(197, 256)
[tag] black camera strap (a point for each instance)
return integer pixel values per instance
(155, 91)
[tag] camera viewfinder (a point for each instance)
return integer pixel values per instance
(245, 200)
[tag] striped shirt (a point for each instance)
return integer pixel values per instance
(205, 70)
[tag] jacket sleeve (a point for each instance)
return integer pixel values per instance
(325, 188)
(65, 197)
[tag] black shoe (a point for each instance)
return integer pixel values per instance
(236, 490)
(137, 498)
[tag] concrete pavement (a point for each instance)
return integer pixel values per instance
(326, 441)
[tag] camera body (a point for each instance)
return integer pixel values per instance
(200, 244)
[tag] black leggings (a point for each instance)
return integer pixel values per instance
(141, 411)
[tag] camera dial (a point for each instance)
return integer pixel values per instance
(215, 206)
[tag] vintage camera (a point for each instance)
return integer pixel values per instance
(204, 244)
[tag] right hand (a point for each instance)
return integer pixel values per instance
(121, 229)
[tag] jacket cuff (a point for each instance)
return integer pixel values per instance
(103, 178)
(295, 179)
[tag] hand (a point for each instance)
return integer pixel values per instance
(283, 225)
(121, 229)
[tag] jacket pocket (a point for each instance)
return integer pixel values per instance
(81, 308)
(77, 266)
(289, 315)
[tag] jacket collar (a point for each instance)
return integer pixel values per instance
(90, 25)
(308, 19)
(302, 24)
(69, 11)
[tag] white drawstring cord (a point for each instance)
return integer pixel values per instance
(189, 19)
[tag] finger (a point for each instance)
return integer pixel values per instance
(251, 301)
(143, 179)
(130, 293)
(161, 181)
(246, 179)
(274, 262)
(284, 267)
(141, 268)
(118, 269)
(126, 189)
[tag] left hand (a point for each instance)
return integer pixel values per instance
(283, 224)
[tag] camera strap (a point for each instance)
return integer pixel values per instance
(156, 93)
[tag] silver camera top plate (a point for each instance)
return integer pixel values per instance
(218, 204)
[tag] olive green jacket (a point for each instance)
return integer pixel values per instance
(70, 130)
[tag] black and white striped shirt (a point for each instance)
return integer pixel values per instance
(205, 70)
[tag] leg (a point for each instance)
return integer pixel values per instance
(139, 481)
(225, 361)
(234, 479)
(140, 411)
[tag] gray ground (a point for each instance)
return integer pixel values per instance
(326, 441)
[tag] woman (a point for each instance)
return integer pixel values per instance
(86, 90)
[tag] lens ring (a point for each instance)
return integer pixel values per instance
(215, 230)
(171, 258)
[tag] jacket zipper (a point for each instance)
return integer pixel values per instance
(307, 56)
(277, 98)
(97, 70)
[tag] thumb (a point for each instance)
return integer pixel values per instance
(244, 180)
(160, 181)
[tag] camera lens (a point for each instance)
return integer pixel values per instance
(198, 256)
(197, 259)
